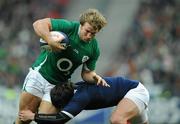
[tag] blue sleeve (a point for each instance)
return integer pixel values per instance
(79, 101)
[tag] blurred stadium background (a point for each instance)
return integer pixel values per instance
(141, 41)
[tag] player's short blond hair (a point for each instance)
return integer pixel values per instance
(94, 18)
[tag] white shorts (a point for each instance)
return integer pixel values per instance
(140, 96)
(37, 85)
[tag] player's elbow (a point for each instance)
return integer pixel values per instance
(36, 24)
(41, 22)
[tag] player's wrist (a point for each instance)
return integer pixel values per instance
(96, 78)
(47, 38)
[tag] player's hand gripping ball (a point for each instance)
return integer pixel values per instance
(54, 34)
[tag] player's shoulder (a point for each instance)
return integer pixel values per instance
(94, 43)
(62, 21)
(75, 23)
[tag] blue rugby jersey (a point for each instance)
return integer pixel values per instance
(90, 96)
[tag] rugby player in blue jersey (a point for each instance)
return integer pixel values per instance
(129, 96)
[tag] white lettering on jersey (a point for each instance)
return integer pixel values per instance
(76, 51)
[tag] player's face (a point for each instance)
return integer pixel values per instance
(87, 32)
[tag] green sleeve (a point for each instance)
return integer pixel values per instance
(61, 25)
(91, 63)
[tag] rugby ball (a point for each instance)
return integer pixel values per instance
(55, 35)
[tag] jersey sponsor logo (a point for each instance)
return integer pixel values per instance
(84, 59)
(68, 64)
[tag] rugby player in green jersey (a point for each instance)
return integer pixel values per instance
(56, 66)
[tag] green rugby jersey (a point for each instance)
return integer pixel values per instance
(57, 67)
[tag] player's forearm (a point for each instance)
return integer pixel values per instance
(42, 28)
(59, 118)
